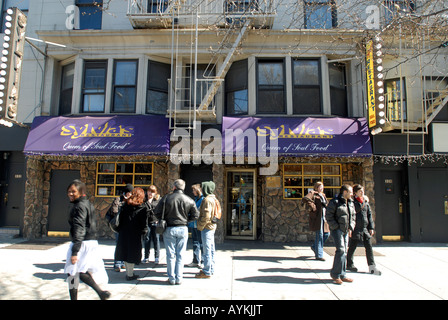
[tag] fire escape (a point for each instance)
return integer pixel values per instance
(199, 65)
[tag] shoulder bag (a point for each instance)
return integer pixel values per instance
(161, 224)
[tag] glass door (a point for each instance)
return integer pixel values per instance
(241, 204)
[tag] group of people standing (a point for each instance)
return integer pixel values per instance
(348, 219)
(138, 215)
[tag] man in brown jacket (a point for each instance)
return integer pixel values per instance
(207, 228)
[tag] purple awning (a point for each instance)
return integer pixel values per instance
(102, 135)
(297, 136)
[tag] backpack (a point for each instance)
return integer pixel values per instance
(217, 212)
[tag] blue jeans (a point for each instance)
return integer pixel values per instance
(117, 263)
(208, 243)
(321, 238)
(175, 239)
(340, 258)
(197, 245)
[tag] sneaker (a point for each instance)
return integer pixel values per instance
(156, 261)
(374, 270)
(145, 260)
(117, 269)
(202, 275)
(337, 281)
(192, 265)
(171, 282)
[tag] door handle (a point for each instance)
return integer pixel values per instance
(5, 199)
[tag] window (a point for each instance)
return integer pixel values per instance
(203, 72)
(298, 179)
(338, 90)
(124, 86)
(94, 85)
(241, 6)
(112, 177)
(271, 86)
(320, 14)
(157, 6)
(236, 88)
(22, 5)
(65, 100)
(157, 93)
(307, 86)
(90, 14)
(395, 100)
(393, 8)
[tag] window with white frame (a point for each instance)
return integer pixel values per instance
(124, 86)
(94, 86)
(307, 86)
(65, 99)
(271, 87)
(338, 89)
(236, 87)
(157, 91)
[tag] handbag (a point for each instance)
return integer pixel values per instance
(114, 223)
(161, 224)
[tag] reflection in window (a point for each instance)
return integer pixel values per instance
(125, 86)
(94, 85)
(395, 100)
(307, 87)
(320, 14)
(157, 93)
(236, 88)
(271, 87)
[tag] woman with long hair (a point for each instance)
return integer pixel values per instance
(132, 225)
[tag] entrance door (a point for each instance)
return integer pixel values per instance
(12, 188)
(391, 205)
(193, 174)
(241, 204)
(433, 200)
(59, 205)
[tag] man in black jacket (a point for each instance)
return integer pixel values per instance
(177, 209)
(340, 216)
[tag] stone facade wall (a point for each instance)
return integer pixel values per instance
(286, 220)
(37, 191)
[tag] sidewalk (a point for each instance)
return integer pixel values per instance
(245, 270)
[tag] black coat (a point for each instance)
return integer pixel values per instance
(340, 214)
(364, 220)
(179, 209)
(132, 225)
(82, 223)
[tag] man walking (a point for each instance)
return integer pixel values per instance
(179, 210)
(340, 216)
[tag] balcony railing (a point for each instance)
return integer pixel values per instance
(150, 13)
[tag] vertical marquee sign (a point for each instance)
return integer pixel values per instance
(370, 72)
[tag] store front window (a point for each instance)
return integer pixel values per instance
(299, 179)
(112, 177)
(241, 204)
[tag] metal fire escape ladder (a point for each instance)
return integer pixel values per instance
(213, 89)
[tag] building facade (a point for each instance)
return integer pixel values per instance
(290, 74)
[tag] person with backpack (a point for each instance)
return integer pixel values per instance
(209, 212)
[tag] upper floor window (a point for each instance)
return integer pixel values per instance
(395, 8)
(94, 86)
(65, 99)
(90, 14)
(320, 14)
(338, 89)
(124, 86)
(395, 99)
(307, 86)
(203, 72)
(157, 92)
(236, 85)
(271, 86)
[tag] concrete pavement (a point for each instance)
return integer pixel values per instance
(245, 270)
